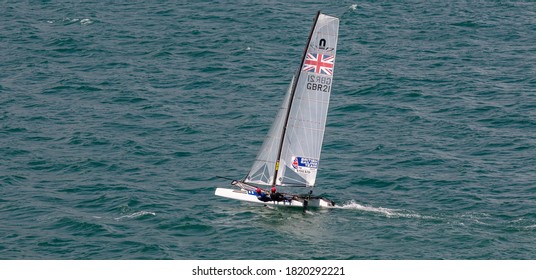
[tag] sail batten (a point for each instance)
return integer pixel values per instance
(290, 153)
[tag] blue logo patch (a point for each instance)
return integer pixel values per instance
(309, 163)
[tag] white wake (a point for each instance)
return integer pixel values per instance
(390, 213)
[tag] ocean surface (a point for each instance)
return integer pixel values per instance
(116, 117)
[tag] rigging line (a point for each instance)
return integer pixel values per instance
(226, 178)
(295, 186)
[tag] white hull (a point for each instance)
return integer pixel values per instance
(250, 196)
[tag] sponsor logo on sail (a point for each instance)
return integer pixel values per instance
(304, 165)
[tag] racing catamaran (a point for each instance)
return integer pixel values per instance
(290, 154)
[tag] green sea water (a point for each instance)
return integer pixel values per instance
(116, 117)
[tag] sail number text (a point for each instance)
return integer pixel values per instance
(318, 83)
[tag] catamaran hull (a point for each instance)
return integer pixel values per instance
(250, 196)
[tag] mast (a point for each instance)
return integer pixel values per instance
(291, 100)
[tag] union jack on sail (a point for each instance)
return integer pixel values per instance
(319, 63)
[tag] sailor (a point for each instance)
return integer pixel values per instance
(262, 195)
(275, 196)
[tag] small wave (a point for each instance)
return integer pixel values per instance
(135, 215)
(86, 21)
(353, 7)
(477, 218)
(390, 213)
(83, 21)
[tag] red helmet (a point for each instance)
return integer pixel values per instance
(274, 189)
(258, 190)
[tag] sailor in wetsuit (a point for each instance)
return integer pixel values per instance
(262, 195)
(275, 196)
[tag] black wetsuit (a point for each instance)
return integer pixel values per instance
(277, 196)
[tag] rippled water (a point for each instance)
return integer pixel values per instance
(116, 118)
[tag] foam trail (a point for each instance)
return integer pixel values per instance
(390, 213)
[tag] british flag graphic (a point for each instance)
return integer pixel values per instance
(319, 63)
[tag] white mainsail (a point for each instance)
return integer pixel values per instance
(291, 150)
